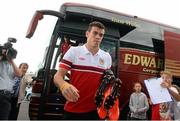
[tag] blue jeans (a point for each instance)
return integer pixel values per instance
(5, 104)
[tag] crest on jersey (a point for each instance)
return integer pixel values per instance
(101, 61)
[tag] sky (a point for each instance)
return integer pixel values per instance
(16, 16)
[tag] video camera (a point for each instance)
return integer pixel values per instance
(7, 51)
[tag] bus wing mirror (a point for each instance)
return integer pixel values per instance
(38, 16)
(34, 22)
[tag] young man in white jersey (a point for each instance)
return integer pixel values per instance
(87, 64)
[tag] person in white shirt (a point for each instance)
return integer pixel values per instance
(86, 64)
(173, 111)
(8, 70)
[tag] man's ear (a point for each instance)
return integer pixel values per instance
(87, 34)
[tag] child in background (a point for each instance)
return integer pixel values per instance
(138, 103)
(169, 110)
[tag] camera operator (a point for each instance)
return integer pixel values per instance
(8, 70)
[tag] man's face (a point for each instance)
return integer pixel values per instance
(94, 36)
(24, 68)
(166, 78)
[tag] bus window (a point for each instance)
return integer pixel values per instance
(61, 48)
(110, 45)
(135, 46)
(158, 46)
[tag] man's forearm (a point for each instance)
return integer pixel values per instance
(16, 69)
(58, 80)
(174, 94)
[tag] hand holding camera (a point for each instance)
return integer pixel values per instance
(7, 52)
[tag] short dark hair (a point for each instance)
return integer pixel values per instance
(96, 24)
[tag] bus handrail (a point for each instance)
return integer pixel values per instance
(38, 16)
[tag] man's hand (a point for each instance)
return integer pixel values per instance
(11, 61)
(165, 84)
(69, 92)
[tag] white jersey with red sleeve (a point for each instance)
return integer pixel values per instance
(86, 74)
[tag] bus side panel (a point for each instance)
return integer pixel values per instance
(172, 47)
(136, 66)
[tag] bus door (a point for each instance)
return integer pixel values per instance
(37, 105)
(172, 49)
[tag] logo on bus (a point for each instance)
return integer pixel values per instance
(127, 22)
(149, 64)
